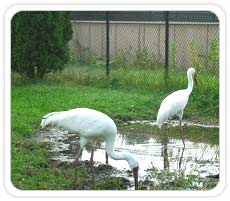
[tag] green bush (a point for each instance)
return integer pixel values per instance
(39, 42)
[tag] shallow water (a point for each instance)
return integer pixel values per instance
(152, 151)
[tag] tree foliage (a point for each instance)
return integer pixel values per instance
(39, 42)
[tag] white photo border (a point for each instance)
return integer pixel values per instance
(222, 84)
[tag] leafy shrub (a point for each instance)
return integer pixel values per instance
(40, 42)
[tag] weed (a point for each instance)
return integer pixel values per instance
(112, 184)
(120, 59)
(194, 57)
(142, 58)
(174, 180)
(173, 61)
(213, 56)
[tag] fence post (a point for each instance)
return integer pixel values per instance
(107, 44)
(166, 45)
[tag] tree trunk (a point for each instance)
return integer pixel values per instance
(40, 72)
(30, 72)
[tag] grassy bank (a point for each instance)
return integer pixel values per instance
(123, 97)
(134, 78)
(203, 103)
(205, 96)
(31, 168)
(30, 102)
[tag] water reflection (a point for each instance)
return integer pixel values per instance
(165, 151)
(153, 151)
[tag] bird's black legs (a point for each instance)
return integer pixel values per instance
(181, 135)
(181, 157)
(76, 163)
(135, 175)
(106, 158)
(167, 129)
(92, 153)
(165, 152)
(92, 166)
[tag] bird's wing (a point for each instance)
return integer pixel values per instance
(87, 122)
(176, 101)
(172, 105)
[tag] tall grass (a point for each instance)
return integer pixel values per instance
(134, 78)
(205, 96)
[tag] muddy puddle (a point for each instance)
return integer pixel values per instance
(155, 149)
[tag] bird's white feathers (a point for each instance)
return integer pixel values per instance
(172, 105)
(175, 102)
(90, 125)
(45, 121)
(87, 122)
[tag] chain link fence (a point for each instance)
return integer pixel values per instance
(141, 46)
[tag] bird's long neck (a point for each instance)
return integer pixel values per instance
(190, 83)
(133, 163)
(117, 155)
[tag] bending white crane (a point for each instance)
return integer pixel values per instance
(91, 125)
(175, 102)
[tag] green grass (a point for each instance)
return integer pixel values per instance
(135, 77)
(30, 166)
(126, 95)
(203, 103)
(205, 96)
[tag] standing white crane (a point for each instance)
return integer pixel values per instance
(175, 102)
(91, 125)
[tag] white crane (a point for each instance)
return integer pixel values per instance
(91, 125)
(175, 102)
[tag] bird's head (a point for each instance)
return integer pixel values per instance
(192, 72)
(46, 120)
(43, 123)
(134, 166)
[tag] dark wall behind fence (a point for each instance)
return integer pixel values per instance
(193, 36)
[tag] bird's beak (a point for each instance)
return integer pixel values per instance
(135, 175)
(195, 79)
